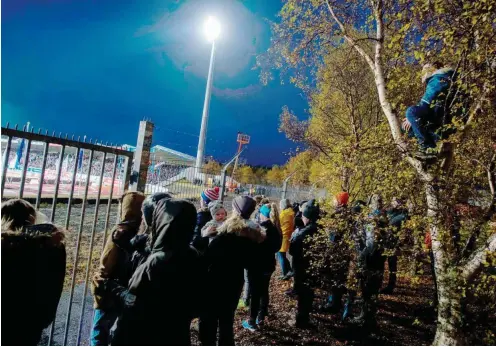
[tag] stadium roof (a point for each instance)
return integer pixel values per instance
(161, 153)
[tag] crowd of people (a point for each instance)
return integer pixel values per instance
(166, 263)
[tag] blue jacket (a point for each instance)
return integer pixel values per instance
(437, 87)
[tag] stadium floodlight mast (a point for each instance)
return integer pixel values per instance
(212, 31)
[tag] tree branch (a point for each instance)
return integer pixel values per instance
(473, 265)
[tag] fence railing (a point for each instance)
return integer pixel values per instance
(52, 169)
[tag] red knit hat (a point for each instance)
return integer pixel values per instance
(342, 198)
(210, 194)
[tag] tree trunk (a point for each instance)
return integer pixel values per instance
(449, 330)
(448, 279)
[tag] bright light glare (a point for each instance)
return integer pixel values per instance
(212, 28)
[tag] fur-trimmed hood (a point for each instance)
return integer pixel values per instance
(47, 235)
(242, 227)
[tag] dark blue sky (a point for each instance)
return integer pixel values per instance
(96, 68)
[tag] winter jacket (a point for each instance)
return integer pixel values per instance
(226, 257)
(211, 234)
(33, 272)
(437, 87)
(287, 226)
(115, 262)
(160, 301)
(199, 242)
(264, 259)
(298, 247)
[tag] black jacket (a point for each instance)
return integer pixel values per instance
(298, 248)
(298, 222)
(264, 258)
(160, 303)
(199, 242)
(33, 272)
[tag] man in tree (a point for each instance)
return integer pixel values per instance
(424, 120)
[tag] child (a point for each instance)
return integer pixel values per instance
(219, 215)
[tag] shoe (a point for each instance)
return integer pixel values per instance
(260, 323)
(248, 326)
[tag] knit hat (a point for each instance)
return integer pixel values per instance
(214, 207)
(149, 206)
(311, 210)
(342, 198)
(210, 194)
(265, 211)
(244, 206)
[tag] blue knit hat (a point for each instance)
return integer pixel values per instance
(265, 211)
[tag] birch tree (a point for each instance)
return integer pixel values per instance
(394, 37)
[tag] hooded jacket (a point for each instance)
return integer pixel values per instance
(287, 218)
(33, 272)
(115, 262)
(165, 286)
(228, 254)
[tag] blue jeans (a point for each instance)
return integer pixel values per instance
(425, 122)
(103, 320)
(284, 262)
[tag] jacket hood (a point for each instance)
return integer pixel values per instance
(131, 207)
(47, 235)
(173, 224)
(242, 227)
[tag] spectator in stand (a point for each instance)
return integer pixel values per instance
(261, 268)
(203, 217)
(231, 251)
(287, 227)
(115, 266)
(300, 241)
(33, 272)
(219, 215)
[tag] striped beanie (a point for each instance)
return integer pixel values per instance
(210, 194)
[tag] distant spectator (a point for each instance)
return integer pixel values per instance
(33, 272)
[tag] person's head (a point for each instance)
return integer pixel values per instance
(396, 202)
(302, 203)
(284, 204)
(375, 202)
(130, 205)
(341, 199)
(265, 213)
(429, 69)
(173, 224)
(209, 195)
(264, 201)
(311, 211)
(149, 205)
(244, 206)
(16, 214)
(258, 199)
(217, 211)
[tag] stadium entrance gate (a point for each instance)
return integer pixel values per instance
(81, 174)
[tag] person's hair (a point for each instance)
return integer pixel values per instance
(274, 217)
(264, 201)
(284, 204)
(258, 198)
(16, 214)
(437, 64)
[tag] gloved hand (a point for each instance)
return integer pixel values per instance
(121, 294)
(138, 243)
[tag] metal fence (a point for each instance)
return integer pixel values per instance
(54, 169)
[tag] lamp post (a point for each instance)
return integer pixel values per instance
(212, 31)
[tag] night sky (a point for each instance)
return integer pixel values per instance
(96, 68)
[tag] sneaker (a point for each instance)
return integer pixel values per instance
(260, 323)
(248, 326)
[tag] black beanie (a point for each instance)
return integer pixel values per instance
(311, 210)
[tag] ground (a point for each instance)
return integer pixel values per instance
(404, 318)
